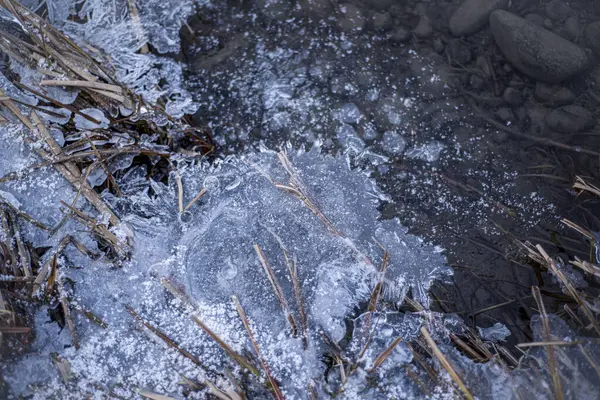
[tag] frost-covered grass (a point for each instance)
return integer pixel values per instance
(265, 274)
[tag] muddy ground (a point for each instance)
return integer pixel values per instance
(476, 146)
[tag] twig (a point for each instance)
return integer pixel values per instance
(242, 313)
(558, 392)
(445, 363)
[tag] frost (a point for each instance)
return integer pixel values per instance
(120, 29)
(83, 123)
(334, 242)
(495, 333)
(429, 152)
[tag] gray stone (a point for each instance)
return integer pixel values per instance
(593, 79)
(381, 21)
(512, 96)
(351, 18)
(476, 82)
(472, 15)
(558, 10)
(458, 52)
(535, 19)
(316, 7)
(570, 119)
(438, 45)
(423, 28)
(592, 36)
(382, 4)
(553, 95)
(505, 115)
(278, 10)
(400, 35)
(548, 24)
(535, 51)
(572, 27)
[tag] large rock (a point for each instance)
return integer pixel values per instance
(472, 15)
(592, 36)
(570, 119)
(535, 51)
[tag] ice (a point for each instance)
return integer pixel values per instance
(56, 115)
(349, 114)
(83, 123)
(429, 152)
(495, 333)
(108, 25)
(393, 142)
(209, 251)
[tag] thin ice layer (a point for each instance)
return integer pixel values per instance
(209, 252)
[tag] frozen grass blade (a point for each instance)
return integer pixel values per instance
(552, 366)
(195, 199)
(64, 302)
(154, 396)
(445, 363)
(274, 386)
(570, 289)
(163, 336)
(241, 360)
(582, 185)
(385, 354)
(276, 289)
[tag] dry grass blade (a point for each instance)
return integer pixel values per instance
(581, 184)
(12, 107)
(570, 289)
(445, 363)
(276, 288)
(293, 271)
(590, 360)
(550, 343)
(552, 366)
(84, 84)
(385, 354)
(578, 228)
(241, 360)
(64, 302)
(163, 336)
(220, 394)
(376, 294)
(274, 386)
(154, 396)
(24, 255)
(195, 199)
(586, 266)
(43, 272)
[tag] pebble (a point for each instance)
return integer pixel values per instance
(381, 21)
(505, 114)
(570, 119)
(553, 95)
(423, 28)
(592, 36)
(473, 15)
(512, 96)
(351, 18)
(572, 27)
(458, 52)
(558, 10)
(535, 19)
(438, 45)
(535, 51)
(400, 35)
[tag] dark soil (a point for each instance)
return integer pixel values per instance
(282, 71)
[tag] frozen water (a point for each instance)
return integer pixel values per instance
(83, 123)
(429, 152)
(494, 333)
(209, 251)
(393, 142)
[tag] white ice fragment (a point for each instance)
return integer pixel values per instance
(393, 142)
(349, 113)
(82, 123)
(63, 116)
(495, 333)
(429, 152)
(11, 199)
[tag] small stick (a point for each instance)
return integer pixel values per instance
(445, 363)
(195, 199)
(83, 84)
(550, 343)
(241, 360)
(163, 336)
(385, 354)
(242, 313)
(558, 392)
(276, 288)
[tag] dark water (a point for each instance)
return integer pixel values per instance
(455, 130)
